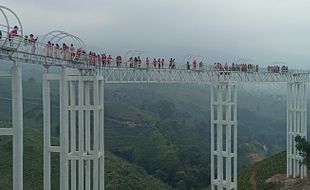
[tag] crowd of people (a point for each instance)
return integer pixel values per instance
(79, 55)
(235, 67)
(277, 69)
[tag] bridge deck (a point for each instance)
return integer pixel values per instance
(113, 74)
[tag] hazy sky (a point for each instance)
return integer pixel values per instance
(262, 30)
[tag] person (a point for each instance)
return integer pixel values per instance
(98, 60)
(103, 59)
(47, 48)
(131, 62)
(33, 41)
(26, 40)
(56, 51)
(200, 65)
(26, 43)
(118, 61)
(78, 54)
(194, 64)
(188, 66)
(90, 55)
(0, 35)
(170, 63)
(154, 62)
(139, 61)
(12, 34)
(173, 64)
(158, 62)
(72, 52)
(109, 59)
(162, 63)
(64, 50)
(135, 61)
(147, 62)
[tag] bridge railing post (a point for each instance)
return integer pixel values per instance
(223, 136)
(296, 125)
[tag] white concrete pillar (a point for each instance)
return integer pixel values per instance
(296, 125)
(64, 132)
(223, 136)
(17, 120)
(17, 125)
(47, 133)
(81, 132)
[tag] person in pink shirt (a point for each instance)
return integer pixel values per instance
(13, 33)
(104, 59)
(78, 54)
(56, 51)
(109, 59)
(47, 48)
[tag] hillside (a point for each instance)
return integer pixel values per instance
(256, 176)
(119, 174)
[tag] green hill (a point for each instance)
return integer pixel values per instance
(257, 174)
(119, 173)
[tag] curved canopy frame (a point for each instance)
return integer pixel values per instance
(57, 36)
(191, 57)
(246, 60)
(8, 25)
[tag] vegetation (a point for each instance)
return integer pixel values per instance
(304, 148)
(261, 171)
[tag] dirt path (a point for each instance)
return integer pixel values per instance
(253, 179)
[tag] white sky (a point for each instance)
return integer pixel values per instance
(221, 30)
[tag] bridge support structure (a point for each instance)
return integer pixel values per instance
(223, 136)
(17, 124)
(296, 125)
(81, 146)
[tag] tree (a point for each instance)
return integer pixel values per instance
(304, 149)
